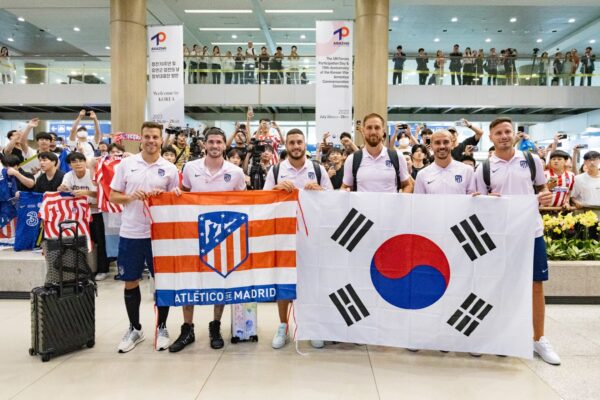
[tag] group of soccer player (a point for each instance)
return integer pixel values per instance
(374, 168)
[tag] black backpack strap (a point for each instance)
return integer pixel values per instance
(356, 160)
(486, 174)
(317, 168)
(532, 168)
(275, 169)
(393, 155)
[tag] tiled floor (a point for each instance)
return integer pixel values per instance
(255, 371)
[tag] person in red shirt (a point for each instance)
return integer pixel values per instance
(560, 180)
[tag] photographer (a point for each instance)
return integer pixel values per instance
(177, 138)
(467, 146)
(264, 133)
(78, 137)
(239, 140)
(258, 162)
(404, 136)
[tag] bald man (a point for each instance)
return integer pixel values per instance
(445, 175)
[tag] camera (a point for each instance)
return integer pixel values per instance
(259, 146)
(176, 130)
(562, 136)
(535, 50)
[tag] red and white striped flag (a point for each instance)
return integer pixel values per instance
(57, 207)
(8, 230)
(105, 170)
(226, 247)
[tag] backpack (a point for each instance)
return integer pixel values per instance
(357, 158)
(316, 166)
(486, 171)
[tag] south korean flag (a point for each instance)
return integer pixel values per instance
(432, 272)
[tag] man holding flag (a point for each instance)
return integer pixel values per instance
(209, 174)
(295, 172)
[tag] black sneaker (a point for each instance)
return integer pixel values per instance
(186, 337)
(214, 331)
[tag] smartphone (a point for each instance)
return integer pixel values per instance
(427, 142)
(562, 136)
(358, 122)
(475, 148)
(88, 113)
(581, 146)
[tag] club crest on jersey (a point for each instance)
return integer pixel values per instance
(523, 163)
(458, 178)
(161, 172)
(311, 175)
(223, 240)
(227, 177)
(388, 163)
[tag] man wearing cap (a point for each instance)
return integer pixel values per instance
(78, 138)
(464, 148)
(586, 191)
(560, 180)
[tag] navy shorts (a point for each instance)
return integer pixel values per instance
(135, 255)
(540, 260)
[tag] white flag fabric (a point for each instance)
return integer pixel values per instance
(417, 271)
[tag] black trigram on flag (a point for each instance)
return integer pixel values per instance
(475, 235)
(349, 304)
(352, 229)
(471, 316)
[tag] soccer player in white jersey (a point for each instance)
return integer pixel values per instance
(295, 172)
(510, 175)
(210, 174)
(136, 178)
(376, 172)
(445, 175)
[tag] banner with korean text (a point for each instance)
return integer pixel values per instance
(333, 78)
(224, 248)
(165, 55)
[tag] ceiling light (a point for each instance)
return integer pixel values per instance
(21, 19)
(23, 81)
(76, 29)
(437, 39)
(107, 47)
(95, 73)
(234, 36)
(24, 76)
(294, 29)
(229, 29)
(539, 41)
(59, 81)
(395, 19)
(295, 44)
(73, 72)
(488, 40)
(306, 61)
(10, 39)
(302, 36)
(593, 41)
(571, 20)
(59, 39)
(218, 11)
(454, 19)
(236, 43)
(513, 19)
(299, 11)
(101, 78)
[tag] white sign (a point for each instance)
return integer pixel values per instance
(334, 78)
(165, 97)
(422, 271)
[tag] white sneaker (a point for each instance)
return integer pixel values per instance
(475, 354)
(281, 337)
(100, 276)
(162, 340)
(317, 344)
(131, 338)
(543, 349)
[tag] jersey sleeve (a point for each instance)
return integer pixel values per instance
(240, 179)
(173, 181)
(479, 184)
(403, 170)
(540, 177)
(348, 179)
(325, 180)
(470, 177)
(419, 185)
(270, 180)
(118, 180)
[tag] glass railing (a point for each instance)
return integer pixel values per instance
(488, 71)
(522, 71)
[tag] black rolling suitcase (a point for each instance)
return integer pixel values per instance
(63, 314)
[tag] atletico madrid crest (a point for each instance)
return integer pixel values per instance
(223, 240)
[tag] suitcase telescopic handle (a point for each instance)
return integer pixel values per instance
(65, 226)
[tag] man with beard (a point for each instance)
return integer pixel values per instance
(377, 169)
(136, 178)
(209, 174)
(295, 172)
(510, 173)
(444, 175)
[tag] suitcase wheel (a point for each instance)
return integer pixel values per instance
(45, 357)
(235, 339)
(90, 343)
(31, 352)
(254, 338)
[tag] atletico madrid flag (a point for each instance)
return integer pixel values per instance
(105, 170)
